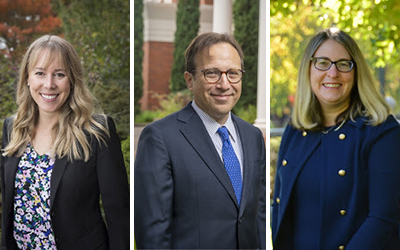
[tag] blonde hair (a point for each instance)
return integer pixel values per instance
(365, 98)
(77, 119)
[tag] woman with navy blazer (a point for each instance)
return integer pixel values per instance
(337, 184)
(58, 158)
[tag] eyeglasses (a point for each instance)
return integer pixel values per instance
(213, 75)
(323, 63)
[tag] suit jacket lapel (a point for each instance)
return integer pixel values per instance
(197, 135)
(58, 171)
(248, 171)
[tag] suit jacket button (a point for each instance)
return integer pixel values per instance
(341, 248)
(284, 162)
(342, 136)
(278, 200)
(343, 212)
(304, 133)
(342, 172)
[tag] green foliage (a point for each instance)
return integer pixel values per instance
(114, 98)
(8, 78)
(249, 113)
(245, 13)
(187, 26)
(146, 116)
(125, 147)
(173, 102)
(274, 143)
(138, 54)
(289, 38)
(99, 31)
(373, 24)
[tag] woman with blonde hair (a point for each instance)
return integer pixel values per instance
(59, 156)
(337, 183)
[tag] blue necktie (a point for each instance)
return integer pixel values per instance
(231, 162)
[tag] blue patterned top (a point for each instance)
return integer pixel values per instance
(32, 225)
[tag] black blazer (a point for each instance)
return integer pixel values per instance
(74, 198)
(183, 195)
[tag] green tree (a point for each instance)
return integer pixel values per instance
(138, 54)
(245, 13)
(187, 26)
(99, 30)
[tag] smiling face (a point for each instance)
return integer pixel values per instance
(332, 87)
(49, 84)
(217, 99)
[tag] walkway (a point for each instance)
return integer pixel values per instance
(137, 132)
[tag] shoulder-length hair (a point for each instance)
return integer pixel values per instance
(365, 98)
(78, 123)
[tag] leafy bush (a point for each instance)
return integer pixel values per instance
(274, 143)
(146, 116)
(249, 113)
(125, 146)
(173, 102)
(114, 99)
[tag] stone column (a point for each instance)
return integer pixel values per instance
(222, 16)
(261, 121)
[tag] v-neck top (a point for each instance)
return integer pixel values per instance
(32, 223)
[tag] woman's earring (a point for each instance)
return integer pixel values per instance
(28, 84)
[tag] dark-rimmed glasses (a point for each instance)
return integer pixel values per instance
(213, 75)
(323, 63)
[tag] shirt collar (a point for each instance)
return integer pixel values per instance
(212, 126)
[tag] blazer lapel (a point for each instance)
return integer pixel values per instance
(58, 171)
(10, 170)
(196, 134)
(298, 153)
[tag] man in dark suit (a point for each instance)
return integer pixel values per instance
(200, 172)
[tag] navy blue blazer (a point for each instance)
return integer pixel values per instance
(74, 198)
(360, 189)
(183, 196)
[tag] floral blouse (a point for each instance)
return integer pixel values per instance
(32, 225)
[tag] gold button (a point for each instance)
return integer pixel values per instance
(343, 212)
(278, 200)
(304, 133)
(284, 162)
(341, 248)
(342, 172)
(342, 136)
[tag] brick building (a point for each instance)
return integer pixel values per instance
(159, 30)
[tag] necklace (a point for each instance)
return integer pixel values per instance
(336, 129)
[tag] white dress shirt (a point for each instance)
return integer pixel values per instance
(212, 127)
